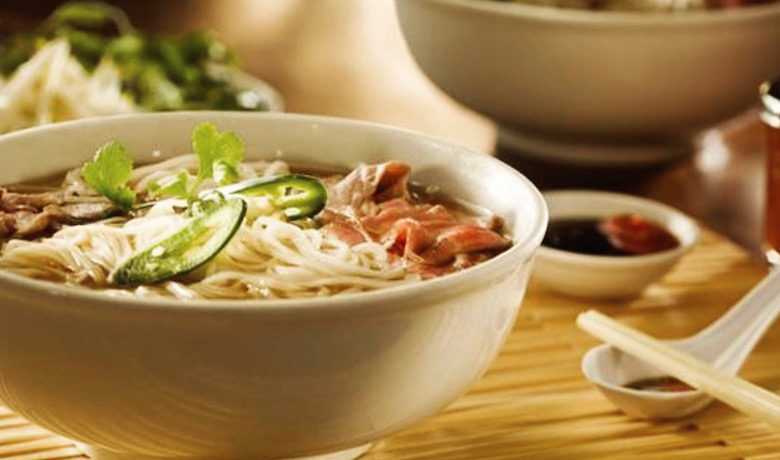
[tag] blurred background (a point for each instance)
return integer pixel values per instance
(348, 58)
(336, 57)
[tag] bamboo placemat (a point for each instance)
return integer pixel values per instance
(533, 402)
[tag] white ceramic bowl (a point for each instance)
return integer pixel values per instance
(609, 277)
(146, 379)
(591, 87)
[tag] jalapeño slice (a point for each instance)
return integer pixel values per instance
(296, 195)
(189, 248)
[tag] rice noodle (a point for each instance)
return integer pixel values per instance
(166, 171)
(268, 258)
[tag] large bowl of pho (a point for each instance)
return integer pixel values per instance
(597, 82)
(225, 285)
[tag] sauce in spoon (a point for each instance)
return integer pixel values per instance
(663, 384)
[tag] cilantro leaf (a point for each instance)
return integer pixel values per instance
(219, 157)
(219, 154)
(108, 172)
(176, 188)
(204, 136)
(230, 153)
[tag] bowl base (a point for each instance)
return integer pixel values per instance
(96, 453)
(592, 151)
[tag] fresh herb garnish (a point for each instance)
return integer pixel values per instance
(159, 72)
(108, 172)
(175, 188)
(219, 156)
(89, 15)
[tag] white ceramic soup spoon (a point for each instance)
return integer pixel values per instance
(725, 343)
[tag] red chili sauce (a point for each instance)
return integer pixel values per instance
(619, 235)
(667, 384)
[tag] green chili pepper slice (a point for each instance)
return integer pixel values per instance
(199, 241)
(296, 195)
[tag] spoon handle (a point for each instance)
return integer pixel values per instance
(743, 325)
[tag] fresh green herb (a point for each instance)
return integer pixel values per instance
(215, 220)
(90, 15)
(219, 156)
(156, 91)
(159, 72)
(175, 188)
(108, 172)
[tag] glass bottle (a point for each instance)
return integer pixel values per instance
(770, 115)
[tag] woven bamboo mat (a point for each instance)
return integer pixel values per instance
(533, 403)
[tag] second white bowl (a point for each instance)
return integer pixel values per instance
(594, 87)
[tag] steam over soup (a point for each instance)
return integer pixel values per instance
(210, 225)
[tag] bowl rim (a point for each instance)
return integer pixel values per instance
(601, 261)
(571, 16)
(404, 295)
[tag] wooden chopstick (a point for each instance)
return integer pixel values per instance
(738, 393)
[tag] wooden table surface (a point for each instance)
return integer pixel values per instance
(347, 58)
(533, 402)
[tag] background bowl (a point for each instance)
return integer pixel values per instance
(585, 87)
(259, 379)
(609, 277)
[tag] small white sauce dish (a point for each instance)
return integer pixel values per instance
(609, 277)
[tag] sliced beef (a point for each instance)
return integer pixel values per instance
(31, 214)
(359, 192)
(462, 239)
(13, 201)
(373, 203)
(430, 235)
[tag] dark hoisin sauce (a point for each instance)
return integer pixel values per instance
(619, 235)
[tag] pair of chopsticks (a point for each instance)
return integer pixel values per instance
(738, 393)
